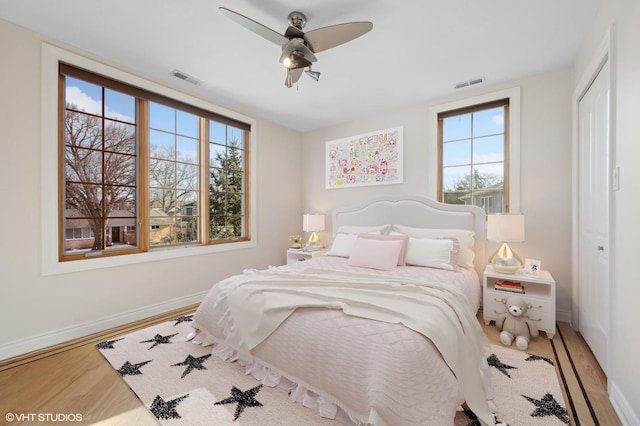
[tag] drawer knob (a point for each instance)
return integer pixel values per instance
(499, 300)
(533, 319)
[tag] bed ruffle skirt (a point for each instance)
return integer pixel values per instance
(270, 377)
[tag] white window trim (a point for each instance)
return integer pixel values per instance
(51, 55)
(513, 94)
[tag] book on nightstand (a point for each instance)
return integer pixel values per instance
(510, 286)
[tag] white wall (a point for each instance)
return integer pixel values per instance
(36, 310)
(622, 19)
(545, 169)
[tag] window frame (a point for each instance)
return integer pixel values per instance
(53, 177)
(502, 103)
(513, 161)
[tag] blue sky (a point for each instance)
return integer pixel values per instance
(486, 130)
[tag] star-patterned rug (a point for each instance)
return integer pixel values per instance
(527, 390)
(181, 383)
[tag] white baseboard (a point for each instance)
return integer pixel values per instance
(624, 410)
(44, 340)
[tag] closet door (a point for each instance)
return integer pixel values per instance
(593, 215)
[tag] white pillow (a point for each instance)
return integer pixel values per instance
(342, 245)
(430, 252)
(455, 251)
(401, 237)
(376, 254)
(464, 237)
(357, 229)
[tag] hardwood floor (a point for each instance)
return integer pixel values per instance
(75, 385)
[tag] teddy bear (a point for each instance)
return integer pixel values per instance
(514, 323)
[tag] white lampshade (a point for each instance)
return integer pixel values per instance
(313, 222)
(505, 228)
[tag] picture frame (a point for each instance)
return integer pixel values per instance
(373, 158)
(532, 266)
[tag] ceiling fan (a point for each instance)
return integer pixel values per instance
(298, 47)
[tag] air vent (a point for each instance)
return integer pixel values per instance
(469, 83)
(185, 77)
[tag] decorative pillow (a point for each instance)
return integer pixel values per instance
(433, 253)
(357, 229)
(400, 237)
(376, 254)
(464, 237)
(455, 251)
(342, 245)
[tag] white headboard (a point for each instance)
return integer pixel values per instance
(417, 212)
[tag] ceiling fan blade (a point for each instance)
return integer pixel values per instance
(335, 35)
(255, 27)
(293, 76)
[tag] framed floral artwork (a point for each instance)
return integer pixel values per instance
(373, 158)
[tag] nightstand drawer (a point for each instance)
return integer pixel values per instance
(540, 311)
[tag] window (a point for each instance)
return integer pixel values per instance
(473, 145)
(174, 164)
(130, 156)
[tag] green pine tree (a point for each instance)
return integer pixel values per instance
(226, 193)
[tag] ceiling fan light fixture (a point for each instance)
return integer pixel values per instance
(289, 80)
(313, 74)
(295, 60)
(299, 47)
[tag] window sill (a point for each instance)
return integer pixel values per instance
(52, 266)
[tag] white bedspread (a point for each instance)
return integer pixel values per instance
(372, 392)
(465, 280)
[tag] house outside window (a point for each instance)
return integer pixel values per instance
(129, 156)
(473, 148)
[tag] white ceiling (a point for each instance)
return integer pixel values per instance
(417, 51)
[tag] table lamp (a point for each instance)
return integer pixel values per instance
(313, 223)
(505, 229)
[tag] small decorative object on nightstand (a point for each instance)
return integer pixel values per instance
(296, 242)
(300, 255)
(539, 291)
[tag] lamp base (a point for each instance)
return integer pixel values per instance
(506, 269)
(314, 246)
(505, 260)
(314, 243)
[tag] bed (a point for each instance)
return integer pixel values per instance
(381, 330)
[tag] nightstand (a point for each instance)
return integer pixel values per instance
(300, 255)
(540, 292)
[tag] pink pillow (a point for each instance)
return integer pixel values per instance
(376, 254)
(401, 237)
